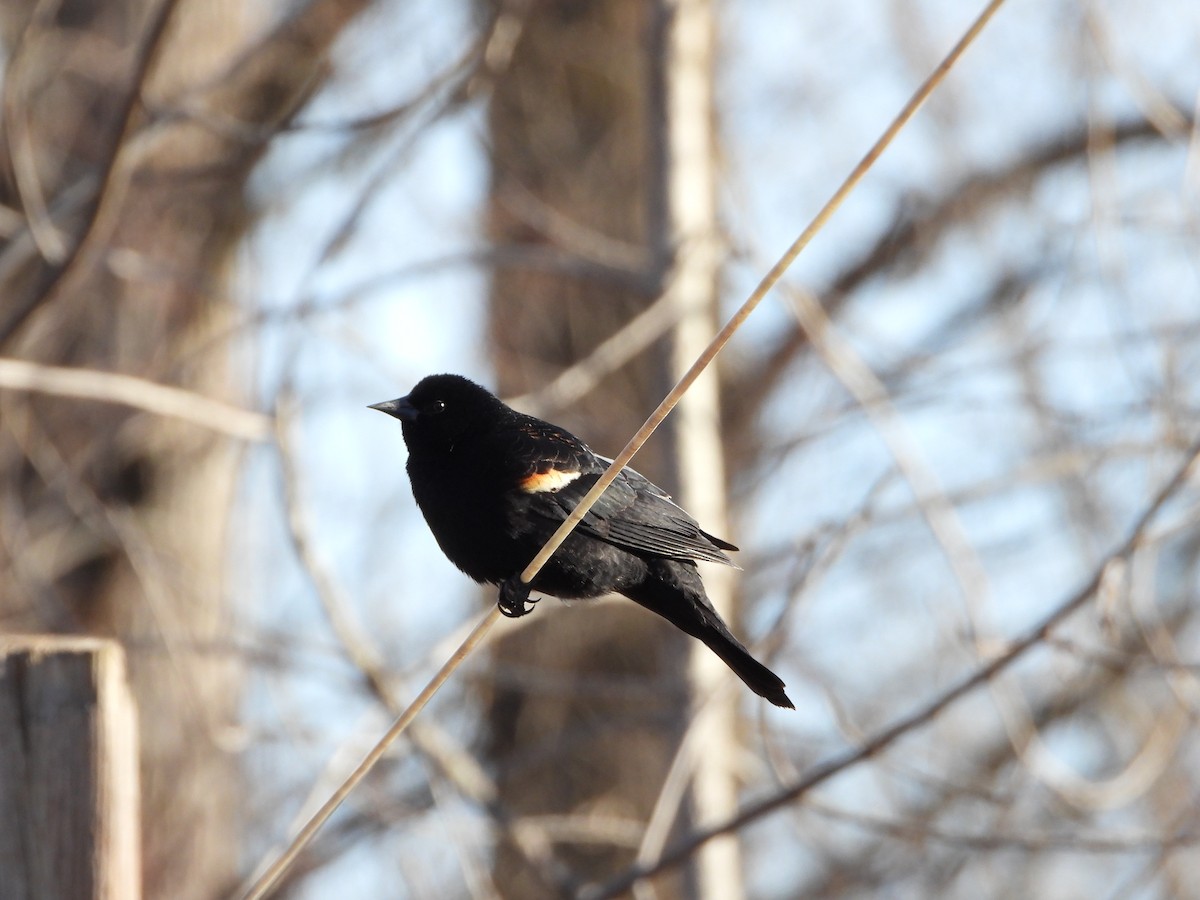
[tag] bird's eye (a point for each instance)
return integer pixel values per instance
(433, 407)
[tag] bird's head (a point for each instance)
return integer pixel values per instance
(441, 410)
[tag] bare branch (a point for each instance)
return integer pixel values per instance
(138, 393)
(104, 204)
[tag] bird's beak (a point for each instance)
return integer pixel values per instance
(400, 408)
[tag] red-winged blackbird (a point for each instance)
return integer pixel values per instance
(494, 484)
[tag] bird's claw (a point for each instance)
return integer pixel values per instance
(514, 595)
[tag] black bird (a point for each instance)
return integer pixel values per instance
(494, 484)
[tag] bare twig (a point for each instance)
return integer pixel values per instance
(913, 238)
(102, 215)
(577, 381)
(913, 832)
(139, 393)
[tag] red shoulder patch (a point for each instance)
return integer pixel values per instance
(549, 481)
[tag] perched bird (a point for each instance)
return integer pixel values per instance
(494, 484)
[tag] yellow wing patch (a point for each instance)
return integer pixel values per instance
(549, 481)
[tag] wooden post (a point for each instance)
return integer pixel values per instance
(68, 771)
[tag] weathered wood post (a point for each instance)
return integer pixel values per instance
(68, 771)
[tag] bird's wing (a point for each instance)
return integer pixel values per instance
(634, 513)
(638, 515)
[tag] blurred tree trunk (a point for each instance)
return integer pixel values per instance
(575, 183)
(583, 182)
(692, 176)
(129, 129)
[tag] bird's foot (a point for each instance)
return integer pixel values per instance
(514, 595)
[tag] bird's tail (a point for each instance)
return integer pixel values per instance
(683, 603)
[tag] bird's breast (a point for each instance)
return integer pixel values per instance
(471, 517)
